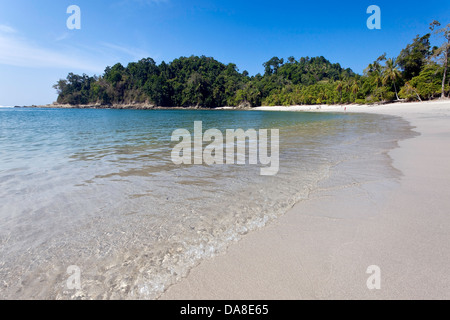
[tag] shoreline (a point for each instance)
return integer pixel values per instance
(311, 254)
(395, 108)
(112, 107)
(313, 108)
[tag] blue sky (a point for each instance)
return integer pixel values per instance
(37, 49)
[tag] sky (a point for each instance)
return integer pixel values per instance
(37, 48)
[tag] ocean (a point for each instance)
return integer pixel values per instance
(97, 190)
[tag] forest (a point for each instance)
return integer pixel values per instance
(419, 72)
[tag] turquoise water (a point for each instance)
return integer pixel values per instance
(97, 189)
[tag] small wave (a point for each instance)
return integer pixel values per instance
(135, 247)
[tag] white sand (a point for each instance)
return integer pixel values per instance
(321, 249)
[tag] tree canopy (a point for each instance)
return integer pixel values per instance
(419, 72)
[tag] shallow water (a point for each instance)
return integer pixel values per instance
(97, 189)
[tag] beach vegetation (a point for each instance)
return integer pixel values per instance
(419, 72)
(441, 54)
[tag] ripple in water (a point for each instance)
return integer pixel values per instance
(97, 189)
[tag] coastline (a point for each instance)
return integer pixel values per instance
(322, 249)
(117, 107)
(365, 108)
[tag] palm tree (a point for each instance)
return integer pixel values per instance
(378, 78)
(355, 89)
(355, 86)
(339, 89)
(391, 74)
(374, 71)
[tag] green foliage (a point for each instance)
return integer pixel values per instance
(391, 74)
(442, 53)
(380, 94)
(429, 83)
(193, 81)
(412, 59)
(205, 82)
(308, 71)
(409, 93)
(75, 89)
(272, 66)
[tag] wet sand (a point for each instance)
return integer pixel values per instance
(322, 247)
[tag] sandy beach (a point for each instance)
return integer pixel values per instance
(322, 247)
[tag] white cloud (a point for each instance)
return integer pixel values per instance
(133, 53)
(63, 36)
(56, 57)
(17, 51)
(7, 29)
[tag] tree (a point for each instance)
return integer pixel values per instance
(114, 74)
(355, 87)
(412, 59)
(339, 89)
(204, 81)
(352, 87)
(375, 70)
(196, 91)
(443, 52)
(391, 74)
(428, 82)
(272, 66)
(409, 92)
